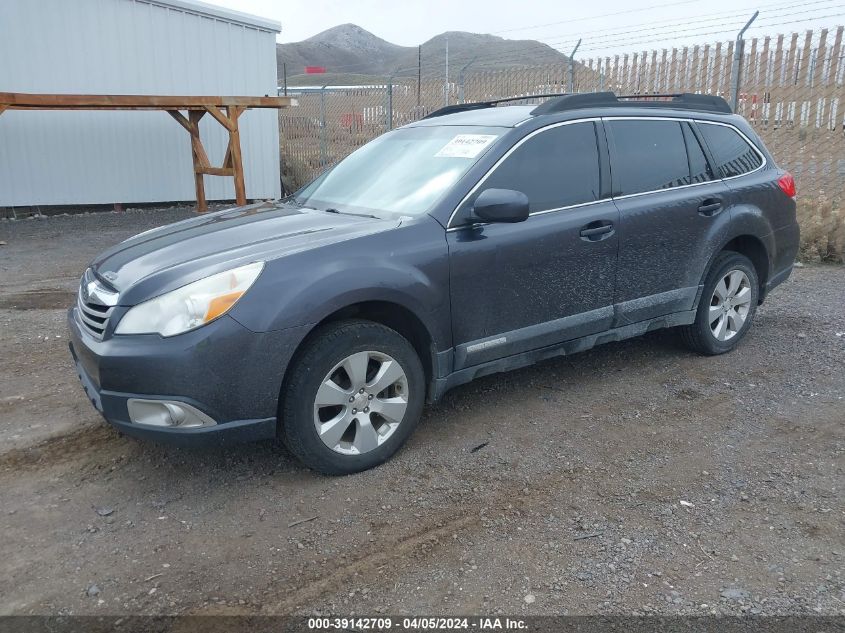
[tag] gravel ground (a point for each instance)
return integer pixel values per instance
(637, 478)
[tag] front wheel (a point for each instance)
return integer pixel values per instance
(727, 306)
(354, 395)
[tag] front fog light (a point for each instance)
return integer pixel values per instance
(166, 413)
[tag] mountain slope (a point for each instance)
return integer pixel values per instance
(348, 50)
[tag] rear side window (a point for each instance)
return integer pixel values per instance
(558, 167)
(733, 155)
(650, 155)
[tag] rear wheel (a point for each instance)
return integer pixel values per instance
(727, 306)
(354, 395)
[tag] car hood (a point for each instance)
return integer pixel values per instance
(170, 256)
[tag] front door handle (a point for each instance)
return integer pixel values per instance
(710, 207)
(596, 231)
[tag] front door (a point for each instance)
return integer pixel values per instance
(523, 286)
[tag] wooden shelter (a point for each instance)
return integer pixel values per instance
(225, 110)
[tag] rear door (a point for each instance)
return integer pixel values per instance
(672, 208)
(518, 287)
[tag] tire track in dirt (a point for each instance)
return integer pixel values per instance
(422, 543)
(432, 536)
(59, 448)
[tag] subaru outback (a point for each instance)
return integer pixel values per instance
(483, 238)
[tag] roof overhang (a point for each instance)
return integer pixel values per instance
(220, 13)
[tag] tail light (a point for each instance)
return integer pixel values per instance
(787, 184)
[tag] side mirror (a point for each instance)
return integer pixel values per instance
(501, 205)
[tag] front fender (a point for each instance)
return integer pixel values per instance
(407, 266)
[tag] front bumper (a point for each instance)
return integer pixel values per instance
(224, 370)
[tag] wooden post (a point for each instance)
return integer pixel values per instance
(235, 154)
(3, 108)
(198, 153)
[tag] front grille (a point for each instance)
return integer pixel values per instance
(94, 303)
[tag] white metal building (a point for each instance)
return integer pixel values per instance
(162, 47)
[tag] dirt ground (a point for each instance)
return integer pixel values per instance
(637, 478)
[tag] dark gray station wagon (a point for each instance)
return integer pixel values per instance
(478, 240)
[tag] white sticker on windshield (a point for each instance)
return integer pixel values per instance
(465, 146)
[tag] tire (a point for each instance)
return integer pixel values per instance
(358, 425)
(705, 335)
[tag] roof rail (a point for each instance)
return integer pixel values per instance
(476, 105)
(679, 101)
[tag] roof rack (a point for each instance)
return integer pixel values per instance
(678, 101)
(476, 105)
(562, 102)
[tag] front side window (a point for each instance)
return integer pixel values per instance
(733, 155)
(557, 167)
(649, 156)
(403, 172)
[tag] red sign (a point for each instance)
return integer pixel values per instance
(315, 70)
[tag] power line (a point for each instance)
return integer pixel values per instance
(772, 10)
(614, 42)
(647, 35)
(596, 17)
(651, 39)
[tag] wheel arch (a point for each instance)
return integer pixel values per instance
(391, 314)
(755, 250)
(752, 247)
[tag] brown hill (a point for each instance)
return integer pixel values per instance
(351, 54)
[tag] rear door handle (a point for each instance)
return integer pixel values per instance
(595, 231)
(710, 207)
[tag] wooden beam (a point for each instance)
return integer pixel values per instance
(217, 171)
(196, 142)
(235, 154)
(180, 118)
(3, 108)
(200, 159)
(22, 100)
(221, 118)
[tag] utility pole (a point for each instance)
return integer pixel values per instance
(736, 70)
(446, 85)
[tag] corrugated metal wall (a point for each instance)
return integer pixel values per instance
(127, 47)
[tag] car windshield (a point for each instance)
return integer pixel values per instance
(402, 172)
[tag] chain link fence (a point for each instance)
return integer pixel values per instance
(791, 88)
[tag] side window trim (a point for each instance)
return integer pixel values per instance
(597, 129)
(751, 144)
(711, 159)
(605, 180)
(705, 147)
(689, 130)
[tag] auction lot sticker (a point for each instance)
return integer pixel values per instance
(465, 146)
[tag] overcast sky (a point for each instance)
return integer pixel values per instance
(609, 26)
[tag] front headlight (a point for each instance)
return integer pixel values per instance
(190, 306)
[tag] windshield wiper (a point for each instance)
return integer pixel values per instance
(357, 215)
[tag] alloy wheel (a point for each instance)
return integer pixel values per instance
(361, 402)
(730, 305)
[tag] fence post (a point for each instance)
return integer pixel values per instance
(461, 79)
(736, 70)
(390, 103)
(323, 127)
(571, 86)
